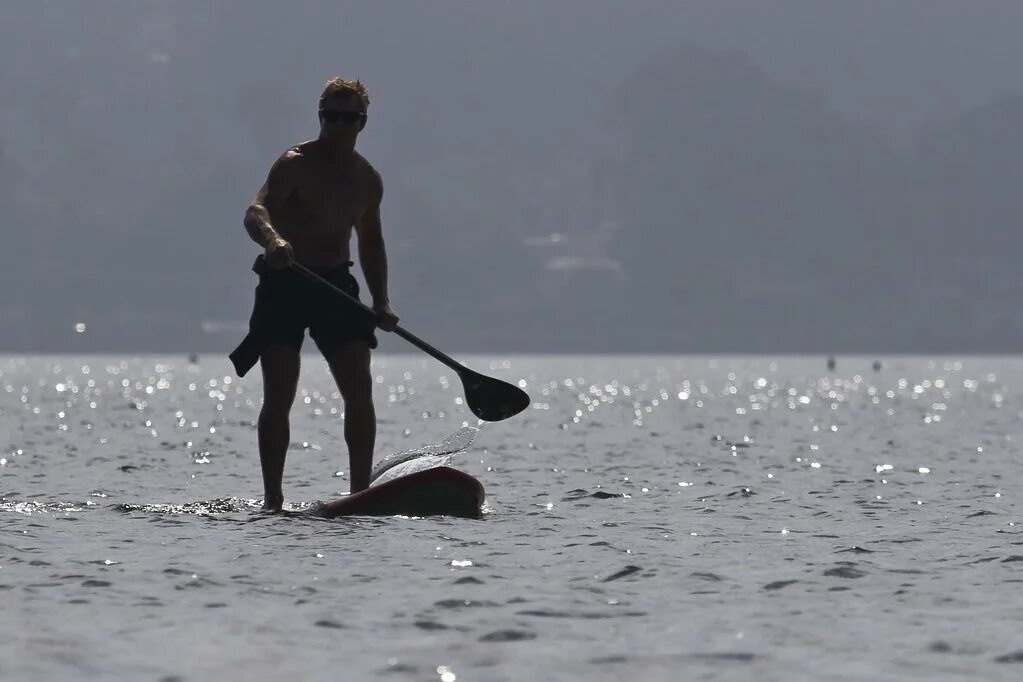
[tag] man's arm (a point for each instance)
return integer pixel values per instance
(280, 182)
(372, 254)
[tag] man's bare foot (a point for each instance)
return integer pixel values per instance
(273, 504)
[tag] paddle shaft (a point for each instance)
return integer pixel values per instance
(407, 335)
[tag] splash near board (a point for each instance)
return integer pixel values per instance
(417, 483)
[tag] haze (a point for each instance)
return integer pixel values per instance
(792, 176)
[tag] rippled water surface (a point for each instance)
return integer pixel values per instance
(653, 518)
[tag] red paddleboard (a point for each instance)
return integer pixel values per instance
(441, 491)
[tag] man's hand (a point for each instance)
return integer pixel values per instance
(386, 319)
(279, 254)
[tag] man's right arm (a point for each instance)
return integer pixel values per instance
(280, 182)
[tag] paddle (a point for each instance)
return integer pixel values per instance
(489, 399)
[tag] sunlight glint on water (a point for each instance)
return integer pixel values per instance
(761, 516)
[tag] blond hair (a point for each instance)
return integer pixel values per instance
(339, 86)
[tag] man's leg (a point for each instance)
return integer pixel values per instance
(280, 379)
(350, 367)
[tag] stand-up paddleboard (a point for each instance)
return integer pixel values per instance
(441, 491)
(417, 483)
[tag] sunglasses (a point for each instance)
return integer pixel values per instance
(333, 116)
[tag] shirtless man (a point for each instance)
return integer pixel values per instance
(315, 193)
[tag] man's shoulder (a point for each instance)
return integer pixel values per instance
(297, 152)
(369, 172)
(292, 160)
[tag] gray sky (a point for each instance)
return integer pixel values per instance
(810, 176)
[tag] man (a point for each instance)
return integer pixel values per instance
(304, 212)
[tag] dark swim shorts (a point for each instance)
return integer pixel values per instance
(287, 303)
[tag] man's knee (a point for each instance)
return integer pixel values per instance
(350, 367)
(280, 379)
(357, 388)
(275, 408)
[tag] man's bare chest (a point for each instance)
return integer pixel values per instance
(325, 199)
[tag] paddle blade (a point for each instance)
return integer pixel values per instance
(492, 399)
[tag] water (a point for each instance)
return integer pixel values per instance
(650, 518)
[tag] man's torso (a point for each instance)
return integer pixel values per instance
(328, 198)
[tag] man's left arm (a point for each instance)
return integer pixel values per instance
(373, 256)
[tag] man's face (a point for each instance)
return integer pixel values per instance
(341, 115)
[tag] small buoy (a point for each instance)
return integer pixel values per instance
(831, 362)
(193, 359)
(877, 365)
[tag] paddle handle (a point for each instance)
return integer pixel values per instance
(399, 330)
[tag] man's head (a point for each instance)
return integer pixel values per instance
(342, 109)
